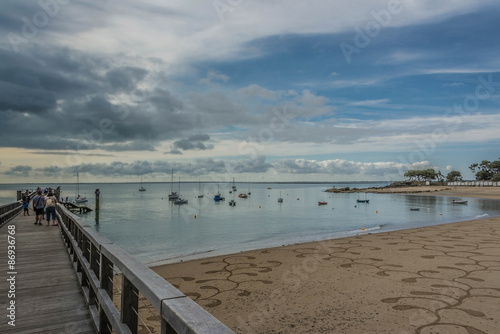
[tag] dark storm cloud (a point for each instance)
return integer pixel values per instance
(125, 78)
(20, 170)
(67, 100)
(19, 98)
(195, 142)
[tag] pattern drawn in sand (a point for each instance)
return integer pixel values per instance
(234, 272)
(457, 272)
(453, 293)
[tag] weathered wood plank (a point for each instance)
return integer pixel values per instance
(48, 297)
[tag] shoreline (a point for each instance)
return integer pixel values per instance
(358, 284)
(492, 193)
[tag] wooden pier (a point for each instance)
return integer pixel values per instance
(64, 280)
(48, 298)
(75, 208)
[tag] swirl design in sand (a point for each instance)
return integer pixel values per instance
(229, 279)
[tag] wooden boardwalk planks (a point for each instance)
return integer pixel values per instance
(48, 298)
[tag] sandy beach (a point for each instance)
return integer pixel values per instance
(437, 279)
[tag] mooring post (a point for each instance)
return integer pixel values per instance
(97, 194)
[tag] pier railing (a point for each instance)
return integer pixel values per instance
(97, 260)
(9, 211)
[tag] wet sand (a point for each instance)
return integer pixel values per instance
(437, 279)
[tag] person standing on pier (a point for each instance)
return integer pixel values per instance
(38, 205)
(26, 205)
(50, 208)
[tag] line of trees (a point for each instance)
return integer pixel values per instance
(484, 171)
(423, 175)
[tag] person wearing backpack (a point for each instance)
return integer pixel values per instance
(50, 208)
(38, 205)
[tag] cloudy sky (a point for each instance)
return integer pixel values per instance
(261, 90)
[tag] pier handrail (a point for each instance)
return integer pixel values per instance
(95, 259)
(9, 211)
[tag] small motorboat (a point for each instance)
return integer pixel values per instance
(322, 203)
(363, 200)
(459, 201)
(81, 199)
(414, 209)
(242, 195)
(180, 201)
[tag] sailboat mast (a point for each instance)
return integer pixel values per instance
(172, 182)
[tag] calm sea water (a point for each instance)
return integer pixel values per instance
(154, 230)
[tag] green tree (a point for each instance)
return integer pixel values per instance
(486, 170)
(454, 176)
(422, 175)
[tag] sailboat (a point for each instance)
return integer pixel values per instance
(173, 195)
(218, 196)
(200, 194)
(234, 185)
(142, 188)
(79, 199)
(280, 199)
(179, 200)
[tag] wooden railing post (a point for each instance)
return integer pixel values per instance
(130, 304)
(106, 275)
(166, 328)
(106, 281)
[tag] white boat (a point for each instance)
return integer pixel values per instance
(142, 188)
(79, 199)
(459, 201)
(179, 200)
(173, 195)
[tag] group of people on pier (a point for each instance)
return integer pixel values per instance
(43, 202)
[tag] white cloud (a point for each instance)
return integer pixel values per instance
(213, 76)
(367, 103)
(309, 99)
(345, 167)
(181, 32)
(255, 90)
